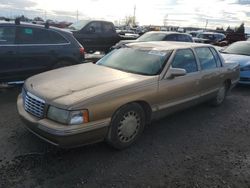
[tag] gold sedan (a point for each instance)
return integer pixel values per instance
(114, 99)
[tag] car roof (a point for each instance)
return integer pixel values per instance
(168, 32)
(166, 45)
(12, 23)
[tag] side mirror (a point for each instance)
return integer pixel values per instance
(175, 72)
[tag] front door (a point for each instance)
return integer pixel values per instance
(182, 91)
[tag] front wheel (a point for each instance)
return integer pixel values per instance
(126, 126)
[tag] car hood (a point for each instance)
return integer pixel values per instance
(67, 86)
(243, 60)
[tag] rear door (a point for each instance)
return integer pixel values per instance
(36, 53)
(8, 60)
(182, 90)
(210, 70)
(109, 35)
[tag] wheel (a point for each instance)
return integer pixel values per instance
(61, 64)
(126, 126)
(221, 95)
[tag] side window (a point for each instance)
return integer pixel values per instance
(7, 35)
(171, 37)
(181, 38)
(206, 58)
(94, 27)
(108, 28)
(56, 38)
(27, 35)
(185, 59)
(217, 58)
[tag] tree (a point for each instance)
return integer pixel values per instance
(229, 29)
(241, 29)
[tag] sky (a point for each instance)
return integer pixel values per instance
(217, 13)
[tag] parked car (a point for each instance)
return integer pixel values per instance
(135, 84)
(157, 36)
(239, 52)
(95, 35)
(28, 49)
(209, 37)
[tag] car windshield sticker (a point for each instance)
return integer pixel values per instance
(158, 53)
(28, 31)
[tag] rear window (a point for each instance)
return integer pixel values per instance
(206, 58)
(7, 35)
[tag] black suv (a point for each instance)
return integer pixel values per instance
(27, 49)
(157, 36)
(95, 35)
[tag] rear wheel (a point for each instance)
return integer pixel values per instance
(126, 126)
(221, 95)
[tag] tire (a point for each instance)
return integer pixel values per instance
(221, 95)
(127, 125)
(62, 63)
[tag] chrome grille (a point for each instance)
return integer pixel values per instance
(33, 104)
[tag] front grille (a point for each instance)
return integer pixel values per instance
(244, 79)
(33, 104)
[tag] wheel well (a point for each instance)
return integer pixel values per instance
(145, 106)
(228, 83)
(147, 109)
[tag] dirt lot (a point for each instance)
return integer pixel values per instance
(199, 147)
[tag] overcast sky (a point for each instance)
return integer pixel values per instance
(175, 12)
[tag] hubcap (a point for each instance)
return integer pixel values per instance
(129, 126)
(221, 94)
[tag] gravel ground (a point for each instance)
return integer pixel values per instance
(198, 147)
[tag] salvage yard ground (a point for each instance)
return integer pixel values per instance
(199, 147)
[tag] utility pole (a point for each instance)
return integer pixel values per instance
(134, 15)
(77, 15)
(206, 24)
(45, 15)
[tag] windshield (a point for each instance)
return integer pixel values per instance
(241, 48)
(206, 36)
(79, 25)
(152, 37)
(138, 61)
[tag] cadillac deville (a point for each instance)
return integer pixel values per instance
(114, 99)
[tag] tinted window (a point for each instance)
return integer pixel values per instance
(206, 58)
(27, 35)
(108, 28)
(7, 35)
(57, 38)
(216, 56)
(171, 38)
(96, 26)
(185, 59)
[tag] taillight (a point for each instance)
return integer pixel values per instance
(82, 51)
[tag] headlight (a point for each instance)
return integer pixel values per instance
(68, 117)
(246, 68)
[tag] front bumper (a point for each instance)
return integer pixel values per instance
(63, 135)
(244, 77)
